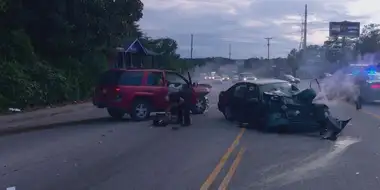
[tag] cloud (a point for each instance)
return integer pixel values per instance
(245, 23)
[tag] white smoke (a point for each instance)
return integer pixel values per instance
(211, 66)
(341, 86)
(207, 68)
(338, 87)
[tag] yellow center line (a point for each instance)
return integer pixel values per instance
(231, 171)
(211, 178)
(367, 112)
(370, 113)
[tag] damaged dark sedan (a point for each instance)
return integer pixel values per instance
(277, 105)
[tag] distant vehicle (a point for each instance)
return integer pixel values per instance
(211, 76)
(235, 78)
(368, 86)
(367, 80)
(225, 78)
(208, 77)
(139, 92)
(246, 76)
(217, 79)
(290, 79)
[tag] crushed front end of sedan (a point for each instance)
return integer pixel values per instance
(277, 105)
(284, 111)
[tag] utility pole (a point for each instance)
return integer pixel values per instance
(229, 52)
(305, 30)
(268, 44)
(191, 46)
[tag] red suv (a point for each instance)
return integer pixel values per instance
(138, 92)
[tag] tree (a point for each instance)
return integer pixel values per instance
(52, 51)
(3, 5)
(369, 40)
(293, 61)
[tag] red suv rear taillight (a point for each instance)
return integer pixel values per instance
(118, 95)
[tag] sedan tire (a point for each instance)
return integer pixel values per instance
(227, 112)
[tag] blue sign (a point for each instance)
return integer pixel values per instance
(135, 48)
(344, 29)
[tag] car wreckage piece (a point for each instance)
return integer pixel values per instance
(299, 110)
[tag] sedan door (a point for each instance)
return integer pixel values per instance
(251, 103)
(238, 101)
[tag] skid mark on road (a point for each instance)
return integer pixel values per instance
(312, 167)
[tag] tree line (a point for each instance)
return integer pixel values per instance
(53, 51)
(340, 50)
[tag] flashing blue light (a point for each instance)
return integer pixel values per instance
(371, 72)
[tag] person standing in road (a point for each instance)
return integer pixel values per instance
(185, 106)
(174, 100)
(180, 103)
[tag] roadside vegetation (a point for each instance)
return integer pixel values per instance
(53, 51)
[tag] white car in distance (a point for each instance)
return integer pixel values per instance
(217, 79)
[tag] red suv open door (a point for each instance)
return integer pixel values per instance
(194, 94)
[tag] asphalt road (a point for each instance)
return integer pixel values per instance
(211, 154)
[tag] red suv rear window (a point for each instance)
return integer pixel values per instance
(120, 77)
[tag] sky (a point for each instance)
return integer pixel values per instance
(245, 24)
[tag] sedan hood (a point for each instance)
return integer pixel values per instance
(277, 93)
